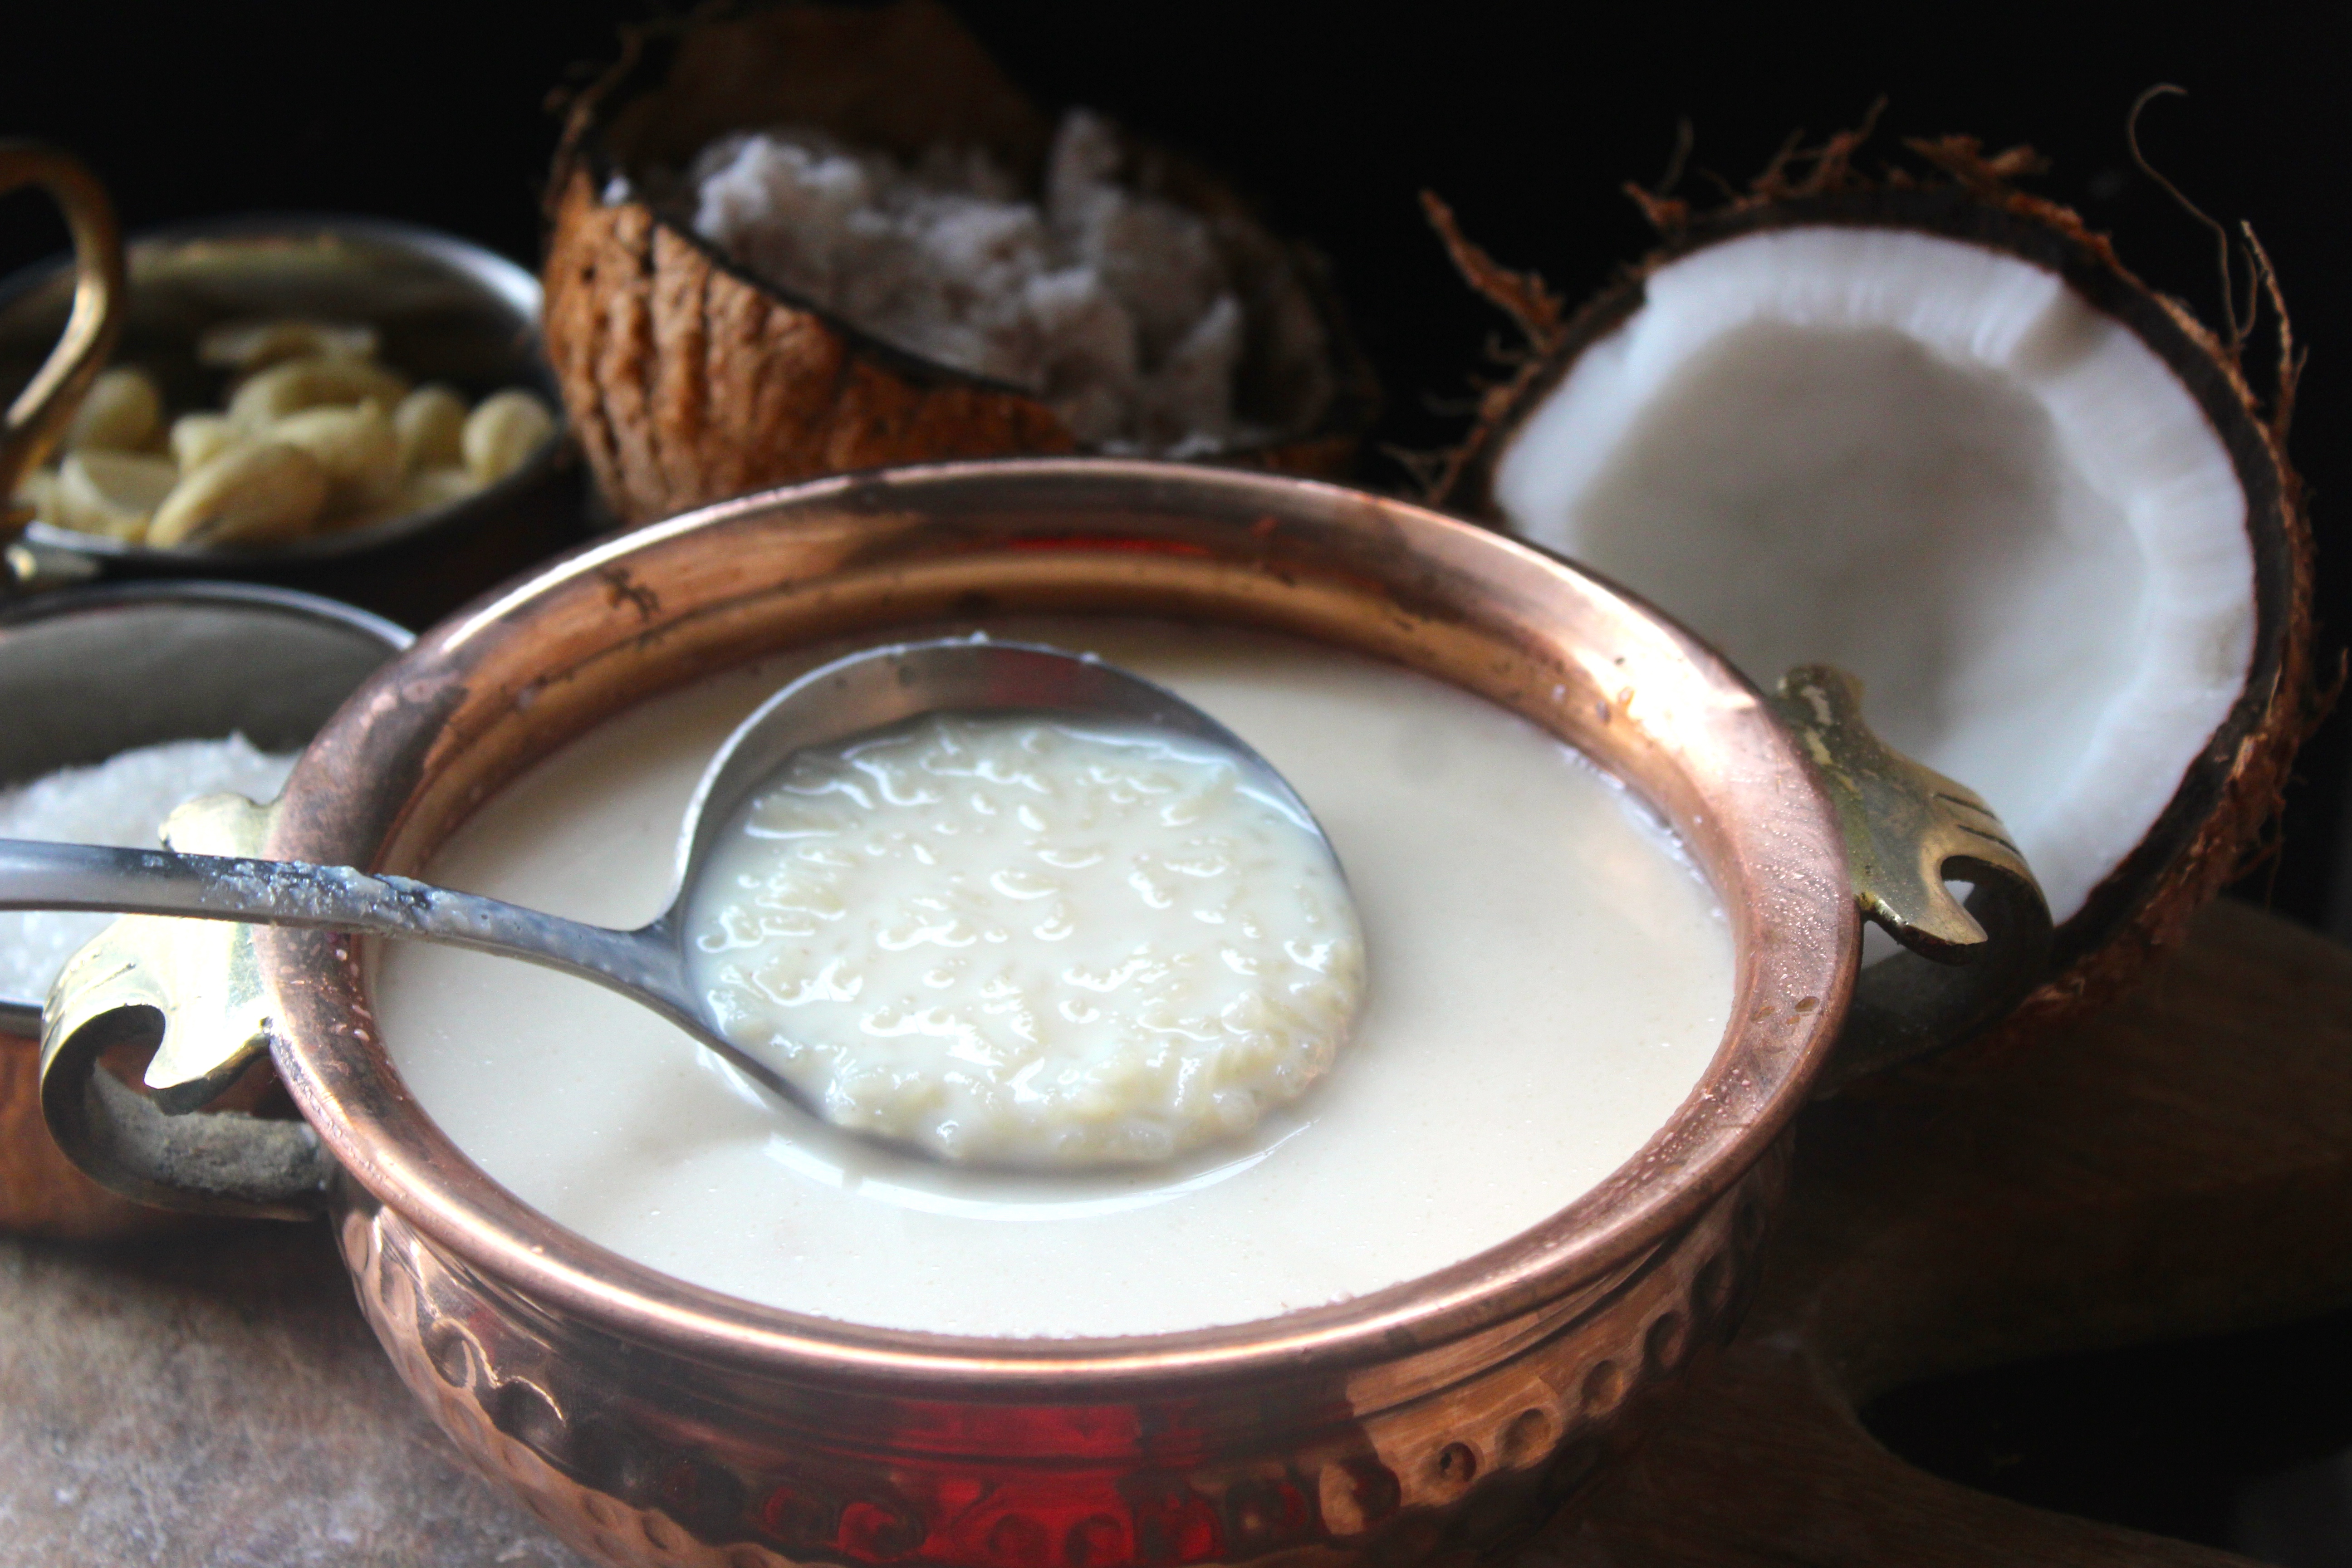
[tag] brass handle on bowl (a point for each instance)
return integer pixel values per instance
(39, 415)
(1908, 828)
(193, 987)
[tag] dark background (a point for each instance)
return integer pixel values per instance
(1528, 117)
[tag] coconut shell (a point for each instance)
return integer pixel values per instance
(688, 379)
(2221, 815)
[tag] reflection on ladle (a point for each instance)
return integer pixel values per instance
(852, 697)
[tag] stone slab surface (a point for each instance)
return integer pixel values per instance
(215, 1399)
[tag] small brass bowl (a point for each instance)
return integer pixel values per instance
(447, 310)
(652, 1421)
(88, 672)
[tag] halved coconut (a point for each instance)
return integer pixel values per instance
(1937, 436)
(688, 379)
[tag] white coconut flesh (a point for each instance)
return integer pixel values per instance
(1940, 467)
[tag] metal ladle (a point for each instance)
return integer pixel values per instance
(853, 696)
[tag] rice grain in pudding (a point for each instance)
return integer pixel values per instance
(1548, 979)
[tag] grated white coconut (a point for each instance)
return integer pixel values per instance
(1118, 308)
(122, 801)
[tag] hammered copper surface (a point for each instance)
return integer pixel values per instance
(659, 1422)
(643, 1458)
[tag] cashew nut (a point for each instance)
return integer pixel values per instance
(119, 414)
(503, 431)
(316, 435)
(198, 438)
(262, 492)
(431, 424)
(252, 345)
(296, 385)
(112, 493)
(355, 446)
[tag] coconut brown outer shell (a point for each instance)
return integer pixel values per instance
(2228, 796)
(687, 384)
(689, 381)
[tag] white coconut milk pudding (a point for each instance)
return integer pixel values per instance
(1545, 977)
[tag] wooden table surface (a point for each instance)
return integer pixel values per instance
(2180, 1166)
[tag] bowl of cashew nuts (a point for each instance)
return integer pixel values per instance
(351, 405)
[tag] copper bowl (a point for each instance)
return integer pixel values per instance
(652, 1421)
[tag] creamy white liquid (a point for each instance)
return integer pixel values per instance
(1548, 977)
(1009, 941)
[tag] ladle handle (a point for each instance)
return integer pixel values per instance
(1908, 830)
(39, 415)
(196, 994)
(40, 876)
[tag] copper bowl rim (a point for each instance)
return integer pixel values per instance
(1798, 938)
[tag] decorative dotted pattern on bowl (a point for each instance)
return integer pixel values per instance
(610, 1455)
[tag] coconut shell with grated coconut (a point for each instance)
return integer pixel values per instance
(689, 379)
(1928, 428)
